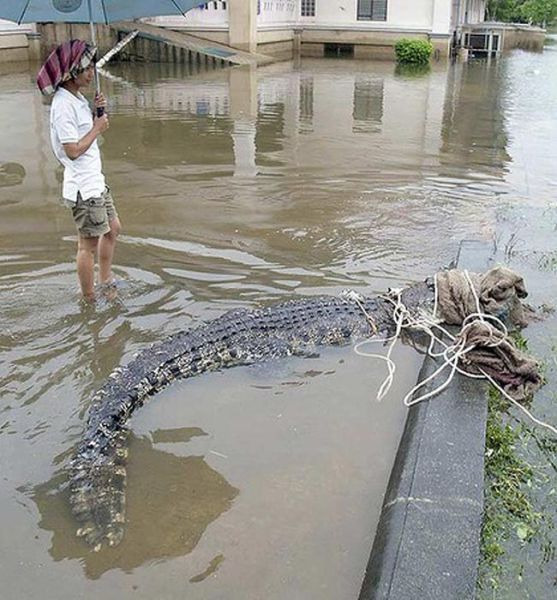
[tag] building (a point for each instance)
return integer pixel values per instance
(360, 28)
(286, 28)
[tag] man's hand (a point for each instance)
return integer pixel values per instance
(101, 124)
(100, 101)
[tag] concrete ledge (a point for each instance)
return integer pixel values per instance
(13, 40)
(14, 47)
(359, 36)
(427, 540)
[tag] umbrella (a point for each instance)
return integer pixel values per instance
(91, 11)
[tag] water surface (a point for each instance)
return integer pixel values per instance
(238, 188)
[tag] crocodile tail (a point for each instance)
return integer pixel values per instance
(97, 490)
(98, 468)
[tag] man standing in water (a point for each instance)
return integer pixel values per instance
(73, 133)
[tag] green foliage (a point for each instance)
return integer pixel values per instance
(509, 509)
(417, 52)
(504, 10)
(507, 475)
(519, 340)
(538, 12)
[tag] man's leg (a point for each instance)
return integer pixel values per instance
(106, 251)
(86, 248)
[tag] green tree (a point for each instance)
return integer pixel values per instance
(507, 11)
(539, 12)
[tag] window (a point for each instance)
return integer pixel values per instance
(308, 8)
(372, 10)
(478, 41)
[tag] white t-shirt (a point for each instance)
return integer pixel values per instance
(70, 120)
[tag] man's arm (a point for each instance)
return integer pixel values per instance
(76, 149)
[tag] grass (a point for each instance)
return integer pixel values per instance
(513, 488)
(547, 261)
(508, 509)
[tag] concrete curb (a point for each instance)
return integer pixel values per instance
(427, 540)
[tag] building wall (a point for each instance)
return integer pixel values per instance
(215, 16)
(276, 13)
(335, 22)
(15, 43)
(401, 14)
(277, 20)
(52, 34)
(8, 27)
(473, 11)
(527, 38)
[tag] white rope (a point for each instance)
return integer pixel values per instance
(518, 405)
(451, 353)
(352, 296)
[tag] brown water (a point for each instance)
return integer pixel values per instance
(238, 188)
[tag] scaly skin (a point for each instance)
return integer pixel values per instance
(238, 337)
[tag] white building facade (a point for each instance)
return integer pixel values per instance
(362, 28)
(283, 28)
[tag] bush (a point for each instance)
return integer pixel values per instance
(416, 52)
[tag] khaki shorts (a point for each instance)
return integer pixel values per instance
(93, 216)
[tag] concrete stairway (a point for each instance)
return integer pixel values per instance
(193, 43)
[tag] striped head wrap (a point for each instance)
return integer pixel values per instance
(64, 63)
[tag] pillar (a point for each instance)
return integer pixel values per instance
(242, 24)
(441, 17)
(441, 32)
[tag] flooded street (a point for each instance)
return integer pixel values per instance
(239, 188)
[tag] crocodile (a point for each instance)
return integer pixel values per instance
(239, 337)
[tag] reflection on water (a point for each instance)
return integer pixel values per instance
(306, 104)
(237, 188)
(368, 105)
(481, 142)
(11, 174)
(171, 500)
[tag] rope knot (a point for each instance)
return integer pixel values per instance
(481, 349)
(480, 332)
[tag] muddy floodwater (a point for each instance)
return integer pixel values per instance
(239, 188)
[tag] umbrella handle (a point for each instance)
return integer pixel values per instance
(99, 110)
